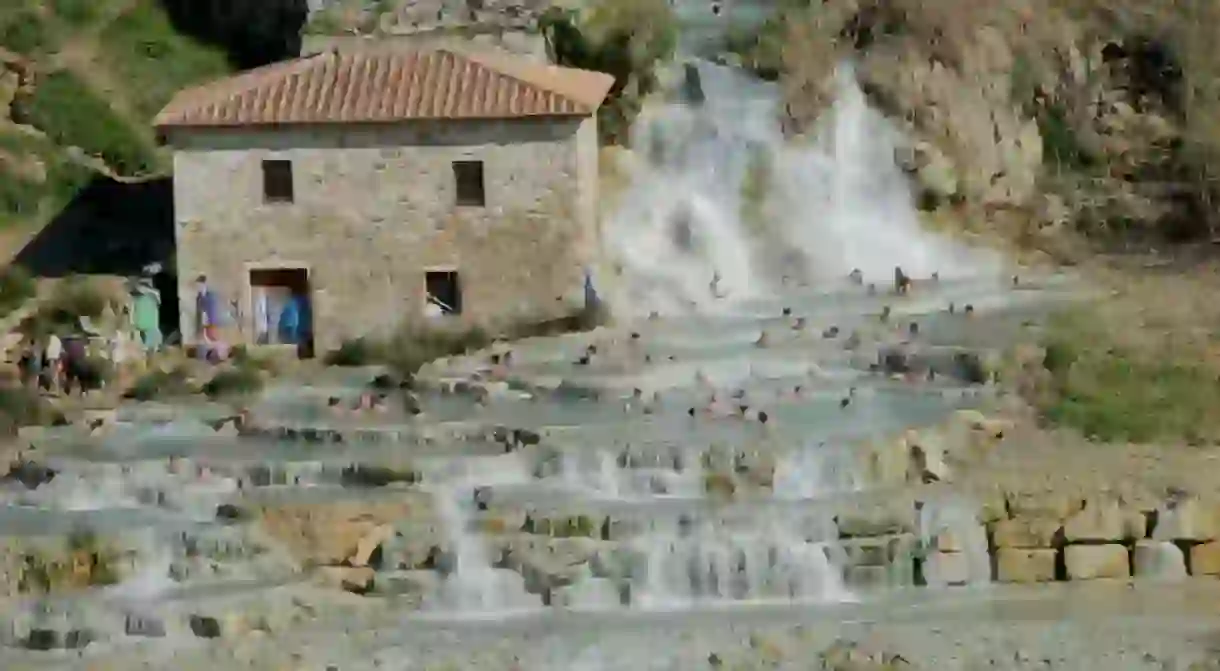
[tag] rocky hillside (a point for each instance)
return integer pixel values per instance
(79, 81)
(1027, 116)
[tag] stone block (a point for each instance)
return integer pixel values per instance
(1104, 521)
(1205, 559)
(410, 584)
(1088, 562)
(1158, 560)
(1044, 505)
(867, 552)
(1025, 532)
(947, 541)
(1025, 565)
(947, 568)
(865, 577)
(1189, 520)
(894, 519)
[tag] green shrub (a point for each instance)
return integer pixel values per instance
(160, 383)
(413, 347)
(19, 197)
(73, 298)
(143, 48)
(77, 297)
(623, 38)
(1115, 393)
(20, 407)
(16, 287)
(23, 196)
(78, 12)
(356, 352)
(235, 381)
(1061, 147)
(71, 114)
(25, 32)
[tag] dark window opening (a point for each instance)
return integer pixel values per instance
(277, 181)
(444, 291)
(468, 175)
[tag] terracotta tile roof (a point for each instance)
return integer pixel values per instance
(388, 86)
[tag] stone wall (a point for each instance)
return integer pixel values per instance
(525, 43)
(374, 209)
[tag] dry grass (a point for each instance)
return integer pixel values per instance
(1142, 364)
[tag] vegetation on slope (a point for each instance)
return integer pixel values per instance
(78, 86)
(1123, 94)
(624, 38)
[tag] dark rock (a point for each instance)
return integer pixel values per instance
(228, 512)
(42, 639)
(138, 625)
(361, 475)
(385, 382)
(77, 639)
(259, 476)
(204, 626)
(526, 437)
(970, 368)
(894, 361)
(29, 473)
(482, 497)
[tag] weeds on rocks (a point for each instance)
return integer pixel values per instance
(1121, 392)
(20, 407)
(236, 381)
(413, 346)
(161, 383)
(16, 287)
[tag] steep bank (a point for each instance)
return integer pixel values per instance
(1028, 118)
(79, 80)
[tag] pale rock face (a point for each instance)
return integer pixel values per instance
(1087, 562)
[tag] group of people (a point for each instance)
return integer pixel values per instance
(55, 364)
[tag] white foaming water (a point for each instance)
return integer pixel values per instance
(826, 205)
(716, 566)
(151, 575)
(955, 519)
(474, 587)
(814, 469)
(607, 480)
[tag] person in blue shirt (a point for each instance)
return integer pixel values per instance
(290, 321)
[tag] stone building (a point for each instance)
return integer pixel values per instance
(383, 187)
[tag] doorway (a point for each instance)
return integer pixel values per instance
(282, 308)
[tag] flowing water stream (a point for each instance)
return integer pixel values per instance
(704, 463)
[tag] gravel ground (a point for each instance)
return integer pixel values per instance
(1098, 625)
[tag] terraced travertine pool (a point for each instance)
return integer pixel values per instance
(672, 494)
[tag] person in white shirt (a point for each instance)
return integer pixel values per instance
(53, 366)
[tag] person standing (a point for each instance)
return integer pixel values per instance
(74, 357)
(206, 309)
(53, 366)
(290, 321)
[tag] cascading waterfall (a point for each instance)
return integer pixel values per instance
(814, 469)
(955, 519)
(721, 206)
(474, 587)
(717, 565)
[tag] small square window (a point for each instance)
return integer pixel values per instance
(468, 177)
(277, 181)
(444, 291)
